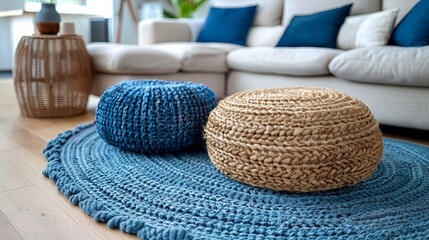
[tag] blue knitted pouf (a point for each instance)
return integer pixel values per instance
(154, 116)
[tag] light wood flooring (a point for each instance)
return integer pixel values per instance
(30, 205)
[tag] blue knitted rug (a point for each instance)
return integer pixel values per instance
(182, 196)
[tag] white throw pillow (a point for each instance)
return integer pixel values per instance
(264, 36)
(268, 13)
(367, 30)
(376, 29)
(347, 35)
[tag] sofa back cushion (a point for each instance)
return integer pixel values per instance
(403, 5)
(302, 7)
(367, 30)
(268, 13)
(315, 30)
(264, 36)
(412, 31)
(227, 25)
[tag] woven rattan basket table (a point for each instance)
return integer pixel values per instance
(53, 76)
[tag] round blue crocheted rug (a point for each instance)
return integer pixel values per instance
(182, 196)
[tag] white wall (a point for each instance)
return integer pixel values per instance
(20, 26)
(129, 28)
(5, 45)
(82, 25)
(203, 11)
(6, 49)
(11, 4)
(13, 28)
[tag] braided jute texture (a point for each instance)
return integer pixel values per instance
(183, 196)
(294, 139)
(154, 115)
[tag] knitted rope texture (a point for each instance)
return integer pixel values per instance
(294, 139)
(183, 196)
(153, 115)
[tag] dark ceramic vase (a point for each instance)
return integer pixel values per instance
(48, 20)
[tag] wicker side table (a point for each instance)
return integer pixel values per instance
(52, 76)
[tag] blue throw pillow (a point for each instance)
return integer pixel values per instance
(413, 30)
(227, 25)
(315, 30)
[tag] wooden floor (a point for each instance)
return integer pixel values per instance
(30, 205)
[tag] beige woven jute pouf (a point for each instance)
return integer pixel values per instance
(294, 139)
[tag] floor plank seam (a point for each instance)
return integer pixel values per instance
(14, 189)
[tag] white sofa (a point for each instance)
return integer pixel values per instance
(394, 82)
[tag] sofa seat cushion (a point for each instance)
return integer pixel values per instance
(199, 57)
(384, 65)
(301, 61)
(131, 59)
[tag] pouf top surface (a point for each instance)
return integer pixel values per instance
(148, 83)
(302, 114)
(293, 100)
(166, 86)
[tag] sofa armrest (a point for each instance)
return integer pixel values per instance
(168, 30)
